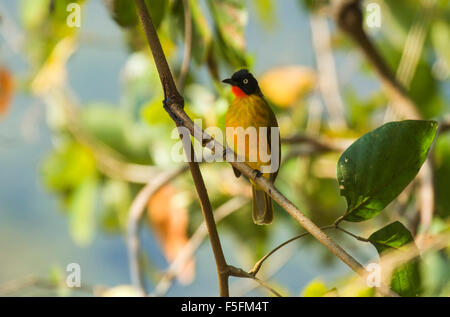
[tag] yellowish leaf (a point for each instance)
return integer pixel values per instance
(315, 288)
(169, 218)
(53, 73)
(285, 85)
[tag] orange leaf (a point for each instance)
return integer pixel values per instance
(169, 218)
(6, 90)
(285, 85)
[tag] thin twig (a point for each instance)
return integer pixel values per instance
(234, 271)
(172, 96)
(242, 286)
(352, 234)
(258, 264)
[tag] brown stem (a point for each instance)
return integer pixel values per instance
(172, 97)
(258, 264)
(234, 271)
(351, 234)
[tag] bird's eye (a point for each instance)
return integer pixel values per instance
(245, 81)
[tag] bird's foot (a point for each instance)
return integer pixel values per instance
(257, 173)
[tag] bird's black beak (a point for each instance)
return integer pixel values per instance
(229, 81)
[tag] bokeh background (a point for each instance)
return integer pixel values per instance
(80, 96)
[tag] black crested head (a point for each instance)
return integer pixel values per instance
(245, 81)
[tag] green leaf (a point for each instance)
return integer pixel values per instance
(116, 200)
(116, 130)
(393, 236)
(315, 288)
(45, 27)
(440, 33)
(82, 218)
(379, 165)
(266, 12)
(405, 279)
(67, 166)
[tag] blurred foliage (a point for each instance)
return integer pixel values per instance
(138, 130)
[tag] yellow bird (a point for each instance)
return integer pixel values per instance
(249, 112)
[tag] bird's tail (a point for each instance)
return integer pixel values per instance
(262, 207)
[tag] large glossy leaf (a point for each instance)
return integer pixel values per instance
(405, 279)
(379, 165)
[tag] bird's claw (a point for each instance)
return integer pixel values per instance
(257, 173)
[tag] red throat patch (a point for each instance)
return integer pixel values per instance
(238, 92)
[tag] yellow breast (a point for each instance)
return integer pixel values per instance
(243, 121)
